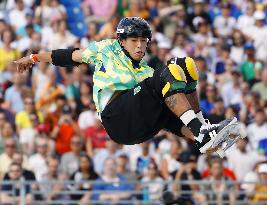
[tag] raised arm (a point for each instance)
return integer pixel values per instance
(59, 57)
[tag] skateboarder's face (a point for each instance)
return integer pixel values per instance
(136, 46)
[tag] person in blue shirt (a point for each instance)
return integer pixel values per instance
(119, 189)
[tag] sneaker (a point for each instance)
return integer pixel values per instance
(208, 133)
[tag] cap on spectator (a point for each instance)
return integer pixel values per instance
(165, 44)
(262, 168)
(197, 21)
(43, 128)
(249, 45)
(259, 15)
(66, 109)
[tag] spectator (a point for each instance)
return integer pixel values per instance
(49, 93)
(52, 118)
(250, 180)
(186, 172)
(19, 12)
(7, 132)
(261, 189)
(241, 160)
(96, 137)
(247, 20)
(23, 117)
(217, 114)
(38, 161)
(49, 11)
(20, 159)
(169, 163)
(111, 181)
(123, 169)
(66, 128)
(73, 89)
(70, 160)
(207, 104)
(228, 173)
(6, 157)
(250, 68)
(261, 87)
(2, 120)
(7, 53)
(220, 191)
(224, 23)
(52, 191)
(110, 151)
(81, 179)
(88, 117)
(257, 130)
(8, 196)
(257, 33)
(143, 159)
(237, 50)
(179, 48)
(153, 184)
(198, 11)
(28, 175)
(39, 79)
(62, 38)
(231, 91)
(13, 95)
(27, 136)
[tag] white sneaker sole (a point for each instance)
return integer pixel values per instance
(220, 138)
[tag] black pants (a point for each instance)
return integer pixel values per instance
(139, 114)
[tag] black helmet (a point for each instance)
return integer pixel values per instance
(133, 27)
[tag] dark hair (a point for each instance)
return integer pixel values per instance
(260, 110)
(13, 36)
(91, 170)
(15, 164)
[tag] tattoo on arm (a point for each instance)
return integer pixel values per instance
(171, 102)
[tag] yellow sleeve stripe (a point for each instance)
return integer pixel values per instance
(191, 67)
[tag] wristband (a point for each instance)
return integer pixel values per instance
(34, 58)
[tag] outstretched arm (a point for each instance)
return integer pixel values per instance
(59, 57)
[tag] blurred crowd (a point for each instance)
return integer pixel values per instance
(48, 124)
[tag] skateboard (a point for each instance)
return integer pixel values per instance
(224, 139)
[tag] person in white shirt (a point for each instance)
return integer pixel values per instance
(246, 20)
(224, 24)
(258, 130)
(17, 16)
(258, 34)
(242, 160)
(37, 162)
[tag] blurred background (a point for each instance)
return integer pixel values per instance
(53, 149)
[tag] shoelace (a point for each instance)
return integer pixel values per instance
(209, 127)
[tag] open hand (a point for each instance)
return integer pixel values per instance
(23, 64)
